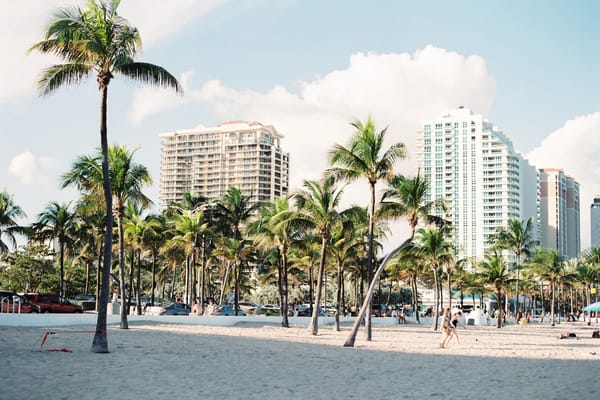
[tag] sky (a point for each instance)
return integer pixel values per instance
(310, 68)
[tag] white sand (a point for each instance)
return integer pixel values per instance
(154, 360)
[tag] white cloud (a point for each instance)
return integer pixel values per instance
(23, 23)
(33, 171)
(397, 90)
(574, 148)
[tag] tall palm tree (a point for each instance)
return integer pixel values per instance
(189, 228)
(9, 214)
(317, 211)
(517, 237)
(366, 158)
(549, 266)
(232, 211)
(273, 229)
(404, 197)
(494, 274)
(127, 178)
(237, 253)
(96, 40)
(138, 232)
(435, 251)
(57, 222)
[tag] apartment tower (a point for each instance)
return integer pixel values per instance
(208, 161)
(595, 222)
(560, 212)
(472, 165)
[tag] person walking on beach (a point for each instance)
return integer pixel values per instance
(446, 328)
(454, 321)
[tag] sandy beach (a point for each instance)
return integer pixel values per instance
(257, 360)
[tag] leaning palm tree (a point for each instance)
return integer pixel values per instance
(366, 158)
(57, 222)
(317, 211)
(517, 237)
(127, 178)
(404, 198)
(9, 214)
(96, 40)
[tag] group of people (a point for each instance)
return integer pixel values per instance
(450, 324)
(209, 310)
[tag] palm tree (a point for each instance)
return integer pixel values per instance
(345, 246)
(139, 232)
(434, 250)
(57, 222)
(97, 40)
(407, 265)
(273, 229)
(405, 197)
(317, 211)
(9, 213)
(237, 253)
(549, 266)
(494, 274)
(126, 180)
(232, 211)
(364, 159)
(518, 237)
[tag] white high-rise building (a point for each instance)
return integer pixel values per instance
(595, 222)
(472, 165)
(208, 161)
(560, 212)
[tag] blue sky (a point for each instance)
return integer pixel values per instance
(310, 68)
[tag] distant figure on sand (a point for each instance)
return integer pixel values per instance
(446, 328)
(210, 308)
(454, 321)
(196, 309)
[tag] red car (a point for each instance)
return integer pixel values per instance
(53, 303)
(10, 302)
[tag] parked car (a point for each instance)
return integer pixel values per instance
(87, 301)
(380, 310)
(304, 311)
(169, 309)
(249, 307)
(270, 309)
(10, 302)
(53, 303)
(226, 309)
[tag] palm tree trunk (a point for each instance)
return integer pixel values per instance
(314, 321)
(124, 324)
(285, 282)
(62, 269)
(339, 298)
(436, 299)
(100, 341)
(499, 319)
(366, 304)
(370, 260)
(138, 286)
(153, 277)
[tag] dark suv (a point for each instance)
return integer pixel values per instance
(53, 303)
(10, 302)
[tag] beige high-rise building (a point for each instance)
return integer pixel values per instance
(208, 161)
(560, 212)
